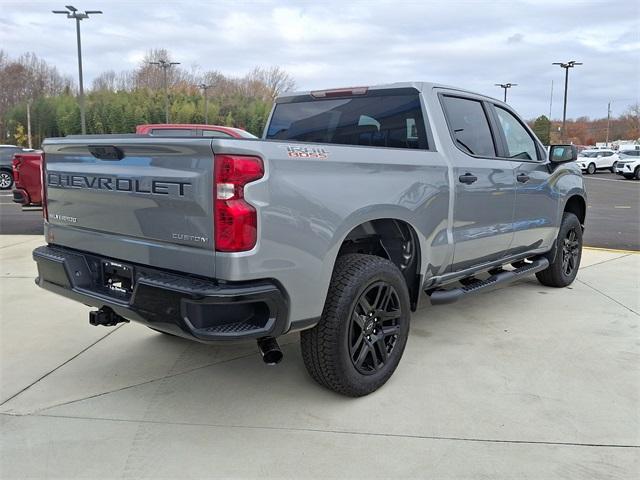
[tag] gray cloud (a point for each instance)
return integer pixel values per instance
(471, 44)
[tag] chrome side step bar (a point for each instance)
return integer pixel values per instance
(442, 297)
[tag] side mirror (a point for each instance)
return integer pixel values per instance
(563, 153)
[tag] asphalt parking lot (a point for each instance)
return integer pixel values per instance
(613, 214)
(523, 382)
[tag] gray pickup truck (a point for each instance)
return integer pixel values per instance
(354, 203)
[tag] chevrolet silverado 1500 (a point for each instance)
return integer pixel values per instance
(354, 203)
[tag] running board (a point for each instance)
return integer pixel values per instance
(442, 297)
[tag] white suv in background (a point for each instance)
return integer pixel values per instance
(601, 159)
(629, 164)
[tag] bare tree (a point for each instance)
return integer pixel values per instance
(270, 81)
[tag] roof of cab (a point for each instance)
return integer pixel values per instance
(420, 86)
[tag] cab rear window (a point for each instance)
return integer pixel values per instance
(394, 121)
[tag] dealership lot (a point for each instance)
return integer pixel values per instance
(525, 381)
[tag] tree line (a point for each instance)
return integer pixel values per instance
(585, 131)
(118, 101)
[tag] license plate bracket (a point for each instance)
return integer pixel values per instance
(118, 278)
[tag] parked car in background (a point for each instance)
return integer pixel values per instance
(192, 130)
(629, 164)
(601, 159)
(27, 178)
(6, 172)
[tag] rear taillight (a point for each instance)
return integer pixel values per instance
(236, 221)
(43, 189)
(15, 165)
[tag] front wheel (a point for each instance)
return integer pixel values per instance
(564, 268)
(358, 342)
(6, 180)
(591, 169)
(637, 173)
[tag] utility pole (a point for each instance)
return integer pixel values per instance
(74, 13)
(29, 143)
(506, 86)
(550, 108)
(165, 65)
(566, 66)
(608, 121)
(204, 88)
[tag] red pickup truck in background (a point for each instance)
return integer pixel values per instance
(192, 130)
(26, 166)
(27, 188)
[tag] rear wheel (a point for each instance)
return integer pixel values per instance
(360, 338)
(613, 167)
(563, 270)
(591, 169)
(6, 180)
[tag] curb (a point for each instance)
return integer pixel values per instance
(611, 250)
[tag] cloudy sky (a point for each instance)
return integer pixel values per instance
(466, 43)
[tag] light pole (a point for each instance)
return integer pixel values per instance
(204, 88)
(608, 121)
(165, 65)
(506, 86)
(566, 66)
(73, 12)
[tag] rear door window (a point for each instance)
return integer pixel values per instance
(215, 134)
(173, 132)
(469, 126)
(373, 120)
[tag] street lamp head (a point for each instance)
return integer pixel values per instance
(73, 12)
(569, 64)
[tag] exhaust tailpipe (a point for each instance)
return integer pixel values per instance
(270, 350)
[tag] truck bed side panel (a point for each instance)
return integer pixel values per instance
(307, 206)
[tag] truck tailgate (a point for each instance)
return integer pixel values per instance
(138, 199)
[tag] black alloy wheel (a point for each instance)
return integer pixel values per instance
(374, 327)
(570, 252)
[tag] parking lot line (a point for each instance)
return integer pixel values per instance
(607, 179)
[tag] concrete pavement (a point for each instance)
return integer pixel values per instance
(523, 382)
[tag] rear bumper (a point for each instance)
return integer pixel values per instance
(183, 305)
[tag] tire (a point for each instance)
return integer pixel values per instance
(344, 352)
(591, 168)
(6, 180)
(637, 173)
(613, 167)
(563, 270)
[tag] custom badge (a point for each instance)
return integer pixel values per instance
(306, 152)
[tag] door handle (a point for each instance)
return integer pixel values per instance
(523, 178)
(467, 178)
